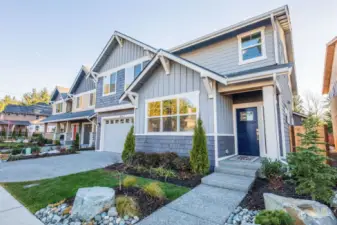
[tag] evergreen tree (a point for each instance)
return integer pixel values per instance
(199, 153)
(76, 143)
(308, 165)
(129, 146)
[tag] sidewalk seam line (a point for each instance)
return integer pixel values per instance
(6, 210)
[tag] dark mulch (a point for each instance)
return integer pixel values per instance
(147, 204)
(40, 156)
(185, 179)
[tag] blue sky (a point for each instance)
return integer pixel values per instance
(43, 43)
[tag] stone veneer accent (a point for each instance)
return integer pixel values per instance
(170, 143)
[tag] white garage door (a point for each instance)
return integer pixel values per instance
(115, 132)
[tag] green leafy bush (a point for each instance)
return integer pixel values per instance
(307, 165)
(181, 164)
(272, 168)
(162, 172)
(129, 146)
(167, 158)
(57, 142)
(126, 206)
(35, 149)
(276, 217)
(199, 153)
(16, 151)
(153, 189)
(129, 181)
(76, 143)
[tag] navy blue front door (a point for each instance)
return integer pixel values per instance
(247, 131)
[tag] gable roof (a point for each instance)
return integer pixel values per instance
(59, 90)
(329, 59)
(281, 13)
(82, 73)
(109, 46)
(156, 60)
(40, 109)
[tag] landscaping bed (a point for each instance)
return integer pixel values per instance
(36, 156)
(181, 178)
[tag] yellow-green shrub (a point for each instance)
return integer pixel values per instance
(153, 189)
(129, 181)
(126, 206)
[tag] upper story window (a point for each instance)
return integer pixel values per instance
(59, 107)
(131, 73)
(173, 114)
(79, 101)
(92, 99)
(109, 84)
(252, 46)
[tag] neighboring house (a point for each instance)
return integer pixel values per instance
(298, 118)
(330, 81)
(73, 111)
(238, 80)
(24, 119)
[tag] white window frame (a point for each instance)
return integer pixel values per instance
(94, 99)
(263, 46)
(110, 93)
(76, 101)
(170, 97)
(56, 103)
(133, 72)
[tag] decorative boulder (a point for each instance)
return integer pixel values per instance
(305, 212)
(91, 201)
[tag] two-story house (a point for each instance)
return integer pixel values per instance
(73, 111)
(24, 119)
(238, 80)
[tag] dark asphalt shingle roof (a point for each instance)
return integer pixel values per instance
(15, 122)
(40, 109)
(69, 116)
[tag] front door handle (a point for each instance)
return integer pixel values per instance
(257, 134)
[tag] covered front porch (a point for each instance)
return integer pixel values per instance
(259, 115)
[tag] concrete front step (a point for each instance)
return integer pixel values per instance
(240, 164)
(236, 171)
(229, 181)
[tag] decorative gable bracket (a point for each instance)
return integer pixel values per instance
(166, 64)
(208, 85)
(133, 98)
(119, 40)
(148, 52)
(94, 76)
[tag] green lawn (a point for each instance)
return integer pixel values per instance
(56, 189)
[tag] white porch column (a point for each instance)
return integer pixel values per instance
(270, 118)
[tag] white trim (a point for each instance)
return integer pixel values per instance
(276, 51)
(62, 103)
(83, 93)
(203, 72)
(126, 65)
(226, 157)
(94, 100)
(263, 46)
(101, 143)
(234, 27)
(241, 106)
(116, 107)
(215, 125)
(133, 72)
(109, 76)
(169, 97)
(82, 131)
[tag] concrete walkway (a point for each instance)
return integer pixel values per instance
(213, 201)
(49, 167)
(13, 213)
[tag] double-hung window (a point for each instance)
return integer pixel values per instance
(252, 46)
(59, 107)
(109, 84)
(132, 73)
(173, 114)
(92, 99)
(79, 102)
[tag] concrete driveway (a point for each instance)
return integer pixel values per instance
(37, 169)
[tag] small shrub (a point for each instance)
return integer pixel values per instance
(57, 142)
(129, 181)
(35, 150)
(272, 168)
(181, 164)
(16, 151)
(162, 172)
(129, 146)
(152, 160)
(153, 189)
(276, 217)
(126, 206)
(141, 169)
(199, 153)
(76, 143)
(166, 159)
(138, 159)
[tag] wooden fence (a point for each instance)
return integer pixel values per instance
(295, 140)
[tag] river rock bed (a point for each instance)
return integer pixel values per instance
(242, 216)
(60, 215)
